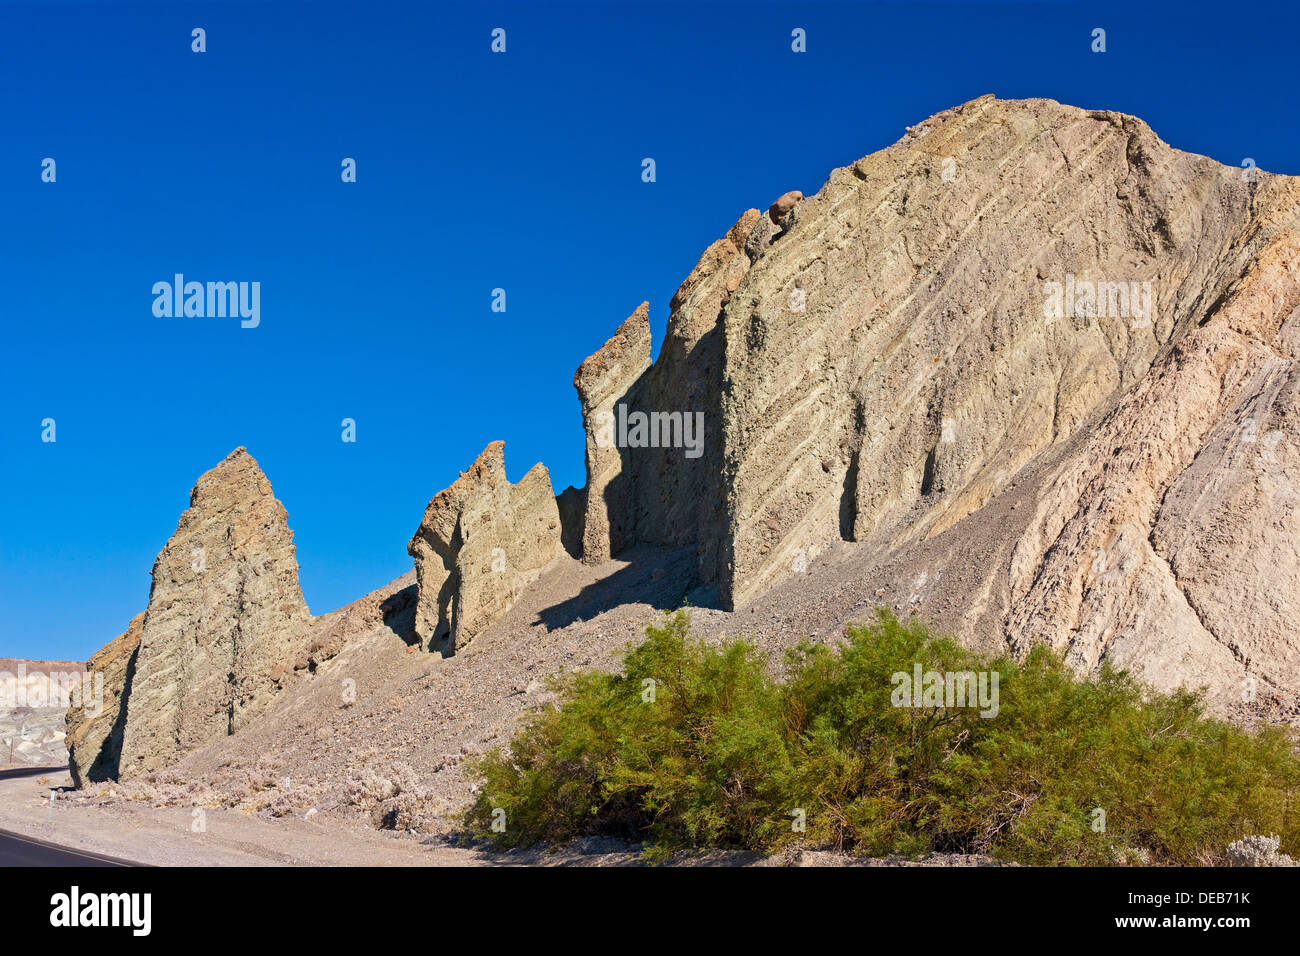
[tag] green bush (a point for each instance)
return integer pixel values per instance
(696, 746)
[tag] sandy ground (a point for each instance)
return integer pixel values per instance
(164, 836)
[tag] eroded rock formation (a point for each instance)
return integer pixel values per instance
(94, 728)
(481, 542)
(1169, 540)
(602, 381)
(225, 627)
(1013, 287)
(1028, 372)
(890, 361)
(658, 490)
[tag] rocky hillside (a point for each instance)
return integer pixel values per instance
(1015, 291)
(1029, 372)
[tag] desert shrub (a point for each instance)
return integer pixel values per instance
(697, 746)
(1258, 851)
(373, 786)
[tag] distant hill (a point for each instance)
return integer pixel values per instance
(33, 735)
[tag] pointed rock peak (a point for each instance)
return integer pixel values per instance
(438, 525)
(743, 226)
(698, 301)
(603, 380)
(628, 347)
(491, 460)
(480, 542)
(237, 476)
(443, 510)
(237, 461)
(535, 473)
(716, 257)
(225, 627)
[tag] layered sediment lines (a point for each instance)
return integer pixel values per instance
(1032, 371)
(225, 627)
(879, 362)
(481, 542)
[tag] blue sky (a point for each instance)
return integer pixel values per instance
(475, 171)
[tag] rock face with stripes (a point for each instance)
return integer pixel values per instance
(1029, 372)
(481, 542)
(225, 627)
(943, 311)
(1015, 289)
(603, 382)
(653, 431)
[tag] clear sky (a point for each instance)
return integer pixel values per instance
(475, 171)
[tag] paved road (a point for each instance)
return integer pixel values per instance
(19, 850)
